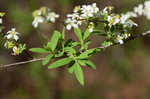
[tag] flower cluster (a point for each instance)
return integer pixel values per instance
(12, 38)
(143, 9)
(121, 37)
(44, 14)
(127, 22)
(117, 25)
(82, 14)
(115, 19)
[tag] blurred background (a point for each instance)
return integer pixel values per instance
(122, 71)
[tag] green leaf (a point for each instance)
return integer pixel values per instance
(47, 59)
(82, 62)
(60, 63)
(78, 33)
(63, 34)
(90, 64)
(85, 46)
(70, 50)
(71, 69)
(38, 50)
(99, 32)
(87, 63)
(86, 34)
(88, 53)
(59, 54)
(79, 73)
(54, 40)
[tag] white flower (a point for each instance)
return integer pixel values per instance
(91, 27)
(106, 10)
(73, 16)
(139, 9)
(76, 9)
(52, 16)
(71, 23)
(124, 18)
(16, 50)
(119, 39)
(87, 11)
(131, 14)
(147, 9)
(12, 34)
(113, 20)
(95, 8)
(1, 21)
(126, 35)
(37, 20)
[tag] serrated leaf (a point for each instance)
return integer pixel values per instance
(78, 33)
(47, 59)
(79, 73)
(86, 34)
(54, 40)
(38, 50)
(60, 63)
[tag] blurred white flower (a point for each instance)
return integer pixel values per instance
(1, 21)
(147, 9)
(95, 8)
(37, 20)
(87, 11)
(12, 34)
(71, 23)
(119, 39)
(16, 50)
(139, 9)
(52, 16)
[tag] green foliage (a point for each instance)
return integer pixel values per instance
(72, 53)
(47, 59)
(54, 40)
(60, 63)
(79, 73)
(86, 34)
(39, 50)
(78, 33)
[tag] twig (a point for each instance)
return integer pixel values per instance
(19, 63)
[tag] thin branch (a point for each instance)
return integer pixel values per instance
(145, 34)
(19, 63)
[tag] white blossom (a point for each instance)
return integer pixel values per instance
(139, 9)
(95, 8)
(1, 21)
(147, 9)
(119, 39)
(12, 34)
(37, 20)
(71, 23)
(16, 50)
(52, 16)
